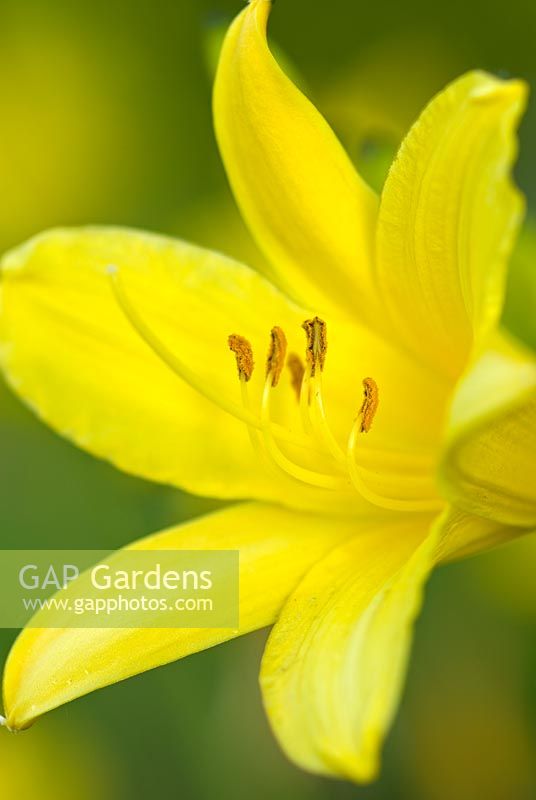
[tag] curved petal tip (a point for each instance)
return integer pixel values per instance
(4, 724)
(500, 89)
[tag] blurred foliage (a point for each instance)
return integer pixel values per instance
(506, 577)
(61, 763)
(106, 118)
(520, 308)
(467, 725)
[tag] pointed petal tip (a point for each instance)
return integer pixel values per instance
(263, 6)
(510, 91)
(362, 770)
(7, 725)
(12, 724)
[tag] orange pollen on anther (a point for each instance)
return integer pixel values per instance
(276, 354)
(244, 355)
(370, 404)
(317, 343)
(297, 371)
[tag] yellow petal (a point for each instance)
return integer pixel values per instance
(305, 204)
(490, 451)
(461, 534)
(49, 667)
(447, 220)
(69, 350)
(335, 661)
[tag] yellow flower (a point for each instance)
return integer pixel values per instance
(401, 436)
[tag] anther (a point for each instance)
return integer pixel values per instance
(317, 345)
(370, 404)
(276, 354)
(244, 355)
(297, 371)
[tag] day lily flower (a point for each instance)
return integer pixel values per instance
(391, 427)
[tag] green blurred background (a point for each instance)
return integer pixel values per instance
(105, 117)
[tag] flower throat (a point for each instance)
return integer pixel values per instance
(316, 439)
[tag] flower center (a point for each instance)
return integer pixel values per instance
(316, 442)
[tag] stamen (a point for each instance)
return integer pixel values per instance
(253, 433)
(297, 371)
(320, 422)
(307, 476)
(315, 356)
(370, 404)
(315, 330)
(263, 442)
(305, 400)
(263, 432)
(314, 418)
(276, 354)
(244, 355)
(392, 504)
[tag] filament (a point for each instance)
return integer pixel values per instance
(317, 436)
(392, 504)
(310, 477)
(320, 423)
(305, 401)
